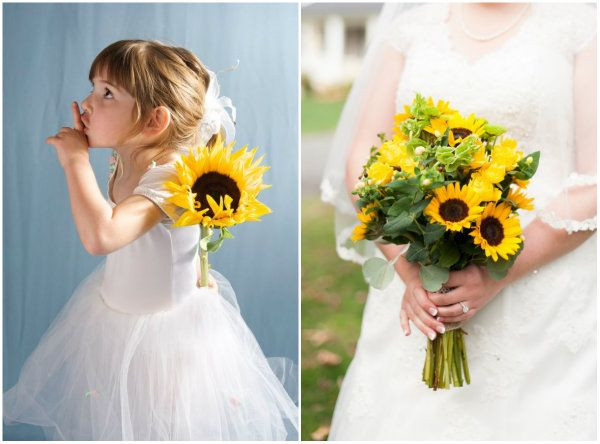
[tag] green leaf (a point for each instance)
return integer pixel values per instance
(527, 168)
(433, 232)
(400, 206)
(449, 254)
(378, 272)
(204, 242)
(216, 245)
(498, 269)
(432, 277)
(418, 207)
(417, 252)
(398, 223)
(494, 130)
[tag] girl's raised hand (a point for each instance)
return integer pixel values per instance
(71, 143)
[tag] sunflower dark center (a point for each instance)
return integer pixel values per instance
(454, 210)
(461, 132)
(492, 231)
(216, 185)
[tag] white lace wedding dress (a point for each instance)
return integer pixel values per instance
(532, 349)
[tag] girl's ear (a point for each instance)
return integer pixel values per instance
(159, 120)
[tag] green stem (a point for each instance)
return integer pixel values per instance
(204, 231)
(463, 353)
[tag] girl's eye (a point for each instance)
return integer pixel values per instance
(108, 94)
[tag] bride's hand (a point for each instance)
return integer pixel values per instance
(417, 307)
(473, 287)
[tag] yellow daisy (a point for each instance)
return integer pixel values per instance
(505, 153)
(395, 154)
(360, 231)
(496, 232)
(218, 188)
(519, 199)
(380, 173)
(454, 207)
(492, 172)
(480, 157)
(486, 190)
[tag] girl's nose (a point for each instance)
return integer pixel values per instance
(85, 105)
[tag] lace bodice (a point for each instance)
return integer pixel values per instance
(526, 85)
(158, 269)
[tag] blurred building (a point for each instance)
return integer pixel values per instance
(334, 37)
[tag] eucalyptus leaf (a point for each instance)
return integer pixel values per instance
(432, 277)
(498, 269)
(378, 272)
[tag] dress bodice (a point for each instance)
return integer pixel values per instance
(526, 85)
(158, 269)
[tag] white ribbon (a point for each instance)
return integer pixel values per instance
(215, 114)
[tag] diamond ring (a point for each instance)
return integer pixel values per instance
(464, 307)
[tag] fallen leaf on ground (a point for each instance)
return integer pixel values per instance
(325, 357)
(318, 337)
(321, 433)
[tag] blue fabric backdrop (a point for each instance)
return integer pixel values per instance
(48, 49)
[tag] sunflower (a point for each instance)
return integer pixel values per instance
(519, 199)
(365, 217)
(521, 183)
(505, 153)
(496, 232)
(461, 127)
(442, 107)
(437, 127)
(218, 187)
(454, 207)
(401, 117)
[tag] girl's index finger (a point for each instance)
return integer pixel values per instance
(78, 124)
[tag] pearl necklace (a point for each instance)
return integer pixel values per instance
(493, 36)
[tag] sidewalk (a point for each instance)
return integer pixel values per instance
(314, 151)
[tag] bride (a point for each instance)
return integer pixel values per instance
(531, 336)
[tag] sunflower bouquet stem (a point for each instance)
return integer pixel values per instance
(446, 361)
(205, 233)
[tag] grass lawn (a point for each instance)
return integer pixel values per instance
(318, 116)
(333, 296)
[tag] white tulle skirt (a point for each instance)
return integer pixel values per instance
(194, 372)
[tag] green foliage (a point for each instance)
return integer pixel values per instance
(378, 272)
(527, 166)
(433, 277)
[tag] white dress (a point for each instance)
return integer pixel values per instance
(139, 352)
(532, 349)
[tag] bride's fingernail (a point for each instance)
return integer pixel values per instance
(431, 335)
(433, 311)
(441, 329)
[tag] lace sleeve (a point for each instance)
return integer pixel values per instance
(152, 186)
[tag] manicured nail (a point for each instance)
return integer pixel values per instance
(431, 335)
(433, 311)
(441, 329)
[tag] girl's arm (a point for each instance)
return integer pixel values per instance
(543, 243)
(103, 229)
(378, 116)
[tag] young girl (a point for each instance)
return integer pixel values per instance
(140, 352)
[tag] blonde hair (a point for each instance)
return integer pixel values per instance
(156, 74)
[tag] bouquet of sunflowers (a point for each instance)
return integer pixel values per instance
(218, 188)
(450, 187)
